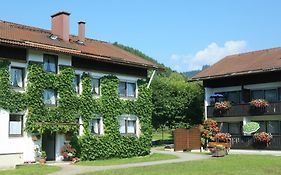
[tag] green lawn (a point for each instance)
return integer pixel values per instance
(157, 135)
(31, 170)
(229, 165)
(152, 157)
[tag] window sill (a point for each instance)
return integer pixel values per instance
(128, 98)
(128, 134)
(15, 136)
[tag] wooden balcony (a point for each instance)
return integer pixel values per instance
(247, 142)
(245, 110)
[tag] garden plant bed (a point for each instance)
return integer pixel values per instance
(248, 165)
(149, 158)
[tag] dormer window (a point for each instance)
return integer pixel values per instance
(53, 37)
(50, 63)
(17, 77)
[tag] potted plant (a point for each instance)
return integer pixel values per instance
(262, 139)
(43, 157)
(208, 130)
(221, 107)
(218, 151)
(35, 136)
(223, 137)
(258, 106)
(68, 152)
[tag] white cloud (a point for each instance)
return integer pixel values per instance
(211, 54)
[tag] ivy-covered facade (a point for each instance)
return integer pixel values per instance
(50, 98)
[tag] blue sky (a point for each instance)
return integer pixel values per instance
(181, 34)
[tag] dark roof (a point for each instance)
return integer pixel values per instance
(31, 37)
(245, 63)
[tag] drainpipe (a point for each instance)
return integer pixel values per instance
(150, 80)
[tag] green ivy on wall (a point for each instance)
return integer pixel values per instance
(63, 118)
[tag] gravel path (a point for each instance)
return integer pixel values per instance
(70, 169)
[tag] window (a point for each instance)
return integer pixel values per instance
(127, 124)
(95, 86)
(50, 63)
(76, 83)
(17, 77)
(273, 127)
(262, 127)
(50, 97)
(270, 95)
(257, 94)
(234, 97)
(15, 125)
(127, 89)
(95, 126)
(232, 128)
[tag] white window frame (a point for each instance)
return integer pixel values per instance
(92, 87)
(99, 123)
(126, 118)
(126, 89)
(56, 63)
(55, 95)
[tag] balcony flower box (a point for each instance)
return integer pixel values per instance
(262, 139)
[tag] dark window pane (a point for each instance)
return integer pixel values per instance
(122, 89)
(271, 95)
(273, 127)
(234, 97)
(257, 94)
(262, 127)
(131, 89)
(234, 128)
(224, 127)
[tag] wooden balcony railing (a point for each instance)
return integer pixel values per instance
(245, 110)
(247, 142)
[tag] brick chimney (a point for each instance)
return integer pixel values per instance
(81, 31)
(60, 25)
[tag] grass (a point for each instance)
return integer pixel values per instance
(31, 170)
(229, 165)
(167, 135)
(149, 158)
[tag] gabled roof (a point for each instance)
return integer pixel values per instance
(245, 63)
(31, 37)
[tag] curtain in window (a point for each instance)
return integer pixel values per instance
(131, 126)
(49, 63)
(16, 76)
(122, 89)
(131, 89)
(94, 125)
(49, 97)
(122, 128)
(75, 84)
(95, 86)
(15, 125)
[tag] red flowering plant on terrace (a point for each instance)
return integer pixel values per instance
(262, 137)
(68, 152)
(223, 105)
(259, 103)
(208, 130)
(223, 137)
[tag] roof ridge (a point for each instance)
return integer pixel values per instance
(254, 51)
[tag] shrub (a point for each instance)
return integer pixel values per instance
(222, 137)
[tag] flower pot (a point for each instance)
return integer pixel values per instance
(42, 161)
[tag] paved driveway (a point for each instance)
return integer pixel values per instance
(70, 169)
